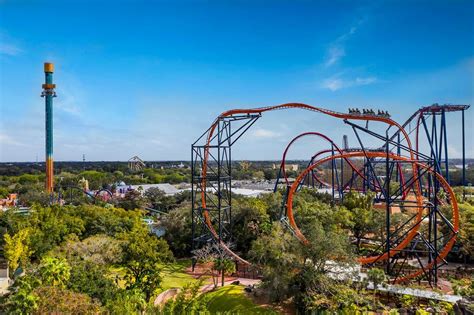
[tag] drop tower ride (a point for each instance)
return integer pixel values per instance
(48, 94)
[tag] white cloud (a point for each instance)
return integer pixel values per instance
(9, 49)
(335, 53)
(67, 103)
(71, 96)
(453, 152)
(265, 133)
(334, 84)
(365, 81)
(156, 142)
(7, 140)
(336, 50)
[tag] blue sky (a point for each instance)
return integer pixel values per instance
(147, 78)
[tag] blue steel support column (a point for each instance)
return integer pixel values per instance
(193, 232)
(387, 199)
(399, 152)
(430, 141)
(463, 158)
(333, 165)
(434, 141)
(342, 181)
(48, 94)
(445, 132)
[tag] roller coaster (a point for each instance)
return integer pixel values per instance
(398, 172)
(69, 194)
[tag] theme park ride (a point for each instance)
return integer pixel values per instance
(64, 192)
(408, 172)
(71, 194)
(135, 164)
(49, 93)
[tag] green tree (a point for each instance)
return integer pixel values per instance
(270, 174)
(28, 179)
(187, 301)
(143, 254)
(224, 266)
(22, 299)
(16, 249)
(97, 179)
(132, 200)
(127, 302)
(273, 251)
(364, 219)
(58, 300)
(273, 203)
(33, 196)
(51, 225)
(464, 287)
(54, 271)
(109, 221)
(4, 191)
(97, 249)
(12, 222)
(93, 280)
(177, 225)
(159, 200)
(216, 261)
(377, 277)
(291, 268)
(466, 231)
(259, 175)
(249, 220)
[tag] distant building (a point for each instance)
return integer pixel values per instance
(10, 201)
(168, 189)
(249, 192)
(243, 191)
(121, 187)
(288, 167)
(345, 142)
(5, 281)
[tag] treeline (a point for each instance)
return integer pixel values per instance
(92, 259)
(32, 183)
(83, 259)
(19, 168)
(169, 172)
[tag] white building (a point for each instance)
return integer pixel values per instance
(168, 189)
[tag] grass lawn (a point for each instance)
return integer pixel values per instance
(232, 299)
(174, 275)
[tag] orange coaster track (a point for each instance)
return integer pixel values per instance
(367, 260)
(412, 159)
(314, 158)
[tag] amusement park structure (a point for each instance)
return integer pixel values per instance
(49, 93)
(407, 171)
(135, 164)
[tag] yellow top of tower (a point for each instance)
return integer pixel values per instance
(48, 67)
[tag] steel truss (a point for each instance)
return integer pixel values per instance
(396, 198)
(428, 233)
(377, 176)
(213, 189)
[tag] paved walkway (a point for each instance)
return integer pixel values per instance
(448, 266)
(243, 281)
(171, 293)
(341, 272)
